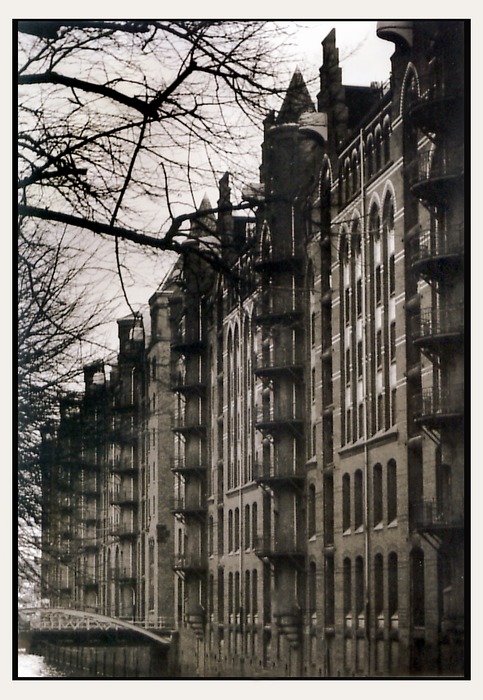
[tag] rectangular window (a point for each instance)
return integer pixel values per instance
(359, 360)
(392, 341)
(378, 282)
(347, 305)
(380, 411)
(347, 366)
(359, 297)
(393, 407)
(392, 275)
(379, 349)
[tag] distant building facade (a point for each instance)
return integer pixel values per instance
(277, 469)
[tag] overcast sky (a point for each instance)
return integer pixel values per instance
(363, 57)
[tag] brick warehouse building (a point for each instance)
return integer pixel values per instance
(275, 467)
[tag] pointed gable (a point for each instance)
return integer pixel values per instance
(297, 100)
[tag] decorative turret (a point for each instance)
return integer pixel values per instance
(297, 101)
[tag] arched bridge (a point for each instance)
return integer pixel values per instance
(62, 621)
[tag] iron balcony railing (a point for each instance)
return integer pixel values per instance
(434, 404)
(281, 359)
(433, 514)
(278, 546)
(123, 530)
(185, 466)
(184, 384)
(443, 323)
(281, 260)
(437, 104)
(190, 505)
(268, 471)
(269, 416)
(189, 424)
(122, 466)
(189, 562)
(186, 345)
(123, 497)
(432, 249)
(279, 305)
(433, 173)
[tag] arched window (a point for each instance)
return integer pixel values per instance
(211, 595)
(377, 493)
(370, 156)
(358, 500)
(254, 525)
(230, 593)
(347, 180)
(237, 593)
(359, 591)
(392, 588)
(237, 529)
(247, 541)
(254, 592)
(248, 598)
(386, 136)
(378, 587)
(417, 587)
(347, 589)
(210, 535)
(311, 511)
(378, 148)
(391, 491)
(312, 588)
(355, 171)
(346, 502)
(230, 531)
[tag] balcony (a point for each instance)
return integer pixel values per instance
(187, 346)
(89, 488)
(186, 507)
(185, 385)
(123, 530)
(434, 175)
(123, 574)
(282, 419)
(279, 548)
(124, 497)
(437, 253)
(441, 519)
(124, 436)
(278, 306)
(88, 581)
(122, 466)
(184, 467)
(281, 361)
(189, 563)
(437, 329)
(440, 104)
(277, 475)
(435, 407)
(186, 425)
(66, 505)
(88, 515)
(279, 261)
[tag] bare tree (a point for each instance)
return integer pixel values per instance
(121, 123)
(56, 317)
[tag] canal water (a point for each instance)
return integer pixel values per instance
(33, 666)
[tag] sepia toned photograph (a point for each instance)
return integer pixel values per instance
(241, 357)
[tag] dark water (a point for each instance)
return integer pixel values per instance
(32, 666)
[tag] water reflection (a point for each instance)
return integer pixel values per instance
(32, 666)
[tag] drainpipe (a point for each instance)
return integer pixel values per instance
(365, 395)
(241, 364)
